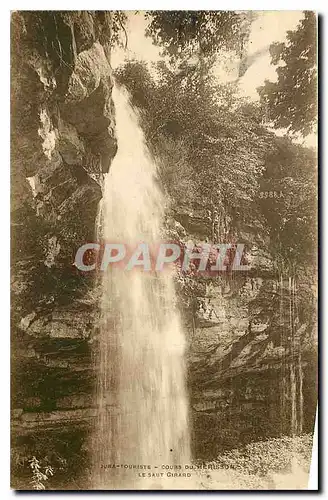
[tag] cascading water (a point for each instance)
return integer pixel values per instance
(292, 372)
(141, 394)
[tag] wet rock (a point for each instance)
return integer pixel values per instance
(62, 137)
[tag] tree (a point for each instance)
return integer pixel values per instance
(292, 100)
(291, 169)
(182, 34)
(118, 22)
(210, 154)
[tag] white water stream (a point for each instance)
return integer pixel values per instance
(141, 393)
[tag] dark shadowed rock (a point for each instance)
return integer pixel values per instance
(62, 140)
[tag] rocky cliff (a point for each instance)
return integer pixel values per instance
(251, 376)
(63, 140)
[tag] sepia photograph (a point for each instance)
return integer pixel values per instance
(164, 249)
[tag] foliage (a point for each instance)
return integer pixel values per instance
(39, 474)
(183, 33)
(291, 170)
(210, 154)
(118, 22)
(69, 464)
(292, 100)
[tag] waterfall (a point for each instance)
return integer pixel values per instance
(292, 400)
(141, 394)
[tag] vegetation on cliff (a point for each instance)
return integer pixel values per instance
(219, 157)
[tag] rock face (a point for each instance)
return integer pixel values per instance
(250, 377)
(63, 140)
(240, 375)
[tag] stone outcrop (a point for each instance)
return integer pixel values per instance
(240, 352)
(62, 142)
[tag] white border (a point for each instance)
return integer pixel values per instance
(4, 186)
